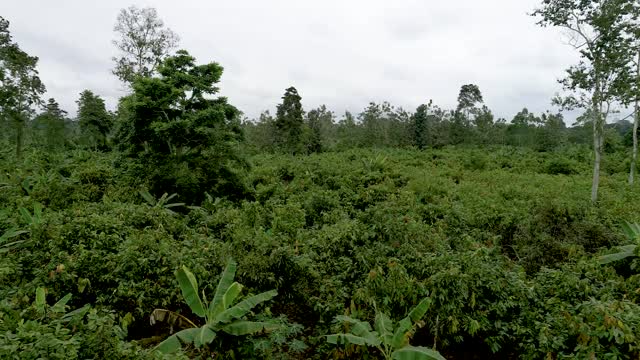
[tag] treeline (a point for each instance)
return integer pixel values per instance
(293, 130)
(170, 103)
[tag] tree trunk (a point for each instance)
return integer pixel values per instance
(19, 136)
(634, 155)
(598, 135)
(636, 118)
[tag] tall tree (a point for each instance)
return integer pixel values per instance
(289, 121)
(50, 125)
(631, 93)
(94, 119)
(483, 122)
(596, 29)
(420, 125)
(468, 99)
(183, 139)
(20, 85)
(144, 42)
(319, 121)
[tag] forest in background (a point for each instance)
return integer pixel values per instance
(175, 227)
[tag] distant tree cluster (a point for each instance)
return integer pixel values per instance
(385, 125)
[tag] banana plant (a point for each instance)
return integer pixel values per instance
(221, 315)
(57, 310)
(632, 231)
(5, 245)
(391, 340)
(32, 219)
(162, 203)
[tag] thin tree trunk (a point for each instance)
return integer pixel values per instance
(597, 149)
(19, 137)
(596, 169)
(634, 155)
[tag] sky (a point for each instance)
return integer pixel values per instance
(341, 53)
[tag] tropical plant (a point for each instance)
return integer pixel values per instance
(632, 231)
(32, 219)
(220, 315)
(162, 203)
(392, 341)
(6, 246)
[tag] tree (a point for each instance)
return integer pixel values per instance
(289, 121)
(95, 122)
(50, 124)
(553, 132)
(144, 42)
(484, 123)
(20, 85)
(183, 139)
(318, 121)
(420, 128)
(595, 29)
(631, 93)
(261, 133)
(468, 98)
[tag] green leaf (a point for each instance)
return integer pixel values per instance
(243, 307)
(166, 199)
(26, 215)
(384, 327)
(352, 339)
(37, 213)
(400, 337)
(216, 306)
(632, 231)
(627, 251)
(173, 205)
(77, 313)
(360, 328)
(230, 296)
(11, 233)
(174, 342)
(40, 300)
(416, 353)
(148, 197)
(59, 307)
(238, 328)
(189, 287)
(204, 336)
(418, 312)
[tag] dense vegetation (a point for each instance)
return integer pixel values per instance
(175, 228)
(504, 246)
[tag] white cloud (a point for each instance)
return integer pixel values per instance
(342, 53)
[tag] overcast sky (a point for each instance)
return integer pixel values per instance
(341, 53)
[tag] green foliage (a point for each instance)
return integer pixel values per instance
(182, 140)
(20, 85)
(391, 340)
(632, 231)
(560, 166)
(162, 202)
(221, 315)
(52, 332)
(507, 253)
(289, 121)
(94, 120)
